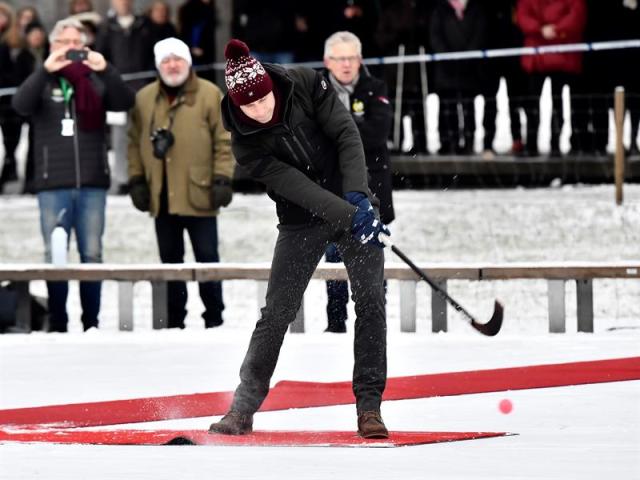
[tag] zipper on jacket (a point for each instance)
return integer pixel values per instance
(45, 160)
(306, 140)
(76, 146)
(292, 152)
(306, 160)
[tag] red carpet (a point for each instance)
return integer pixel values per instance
(257, 439)
(286, 394)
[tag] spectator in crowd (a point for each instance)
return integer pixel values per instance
(83, 11)
(607, 69)
(24, 17)
(30, 57)
(66, 101)
(458, 25)
(9, 121)
(365, 97)
(124, 40)
(80, 6)
(182, 176)
(405, 22)
(197, 26)
(503, 33)
(358, 16)
(545, 22)
(269, 25)
(159, 15)
(290, 131)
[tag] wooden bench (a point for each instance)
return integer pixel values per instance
(556, 274)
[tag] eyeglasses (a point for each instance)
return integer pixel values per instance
(352, 59)
(73, 43)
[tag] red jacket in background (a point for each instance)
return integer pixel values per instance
(569, 18)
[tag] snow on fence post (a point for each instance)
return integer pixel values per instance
(407, 305)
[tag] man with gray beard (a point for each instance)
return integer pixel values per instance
(180, 169)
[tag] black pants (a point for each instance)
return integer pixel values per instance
(456, 122)
(297, 253)
(203, 232)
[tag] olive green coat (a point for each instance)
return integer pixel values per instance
(201, 149)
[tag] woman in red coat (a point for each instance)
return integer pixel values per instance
(552, 22)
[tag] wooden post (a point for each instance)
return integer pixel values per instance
(584, 293)
(439, 308)
(619, 156)
(556, 306)
(125, 306)
(160, 308)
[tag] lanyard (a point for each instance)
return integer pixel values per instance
(67, 93)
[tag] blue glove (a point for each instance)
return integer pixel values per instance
(365, 227)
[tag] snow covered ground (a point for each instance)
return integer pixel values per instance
(588, 431)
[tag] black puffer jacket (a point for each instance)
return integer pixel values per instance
(308, 160)
(79, 160)
(370, 108)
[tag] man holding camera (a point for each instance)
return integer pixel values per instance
(180, 169)
(66, 99)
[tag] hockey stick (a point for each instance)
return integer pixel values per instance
(491, 328)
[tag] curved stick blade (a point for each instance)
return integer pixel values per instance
(493, 326)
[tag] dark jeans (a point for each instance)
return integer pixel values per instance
(297, 253)
(456, 122)
(203, 232)
(84, 213)
(337, 292)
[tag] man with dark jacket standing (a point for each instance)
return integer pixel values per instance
(289, 130)
(66, 101)
(365, 97)
(182, 176)
(458, 25)
(125, 41)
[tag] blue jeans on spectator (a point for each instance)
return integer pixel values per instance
(203, 232)
(85, 214)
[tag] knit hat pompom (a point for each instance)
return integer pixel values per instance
(236, 49)
(245, 77)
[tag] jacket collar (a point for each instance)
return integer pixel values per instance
(188, 92)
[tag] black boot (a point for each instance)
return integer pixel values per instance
(233, 423)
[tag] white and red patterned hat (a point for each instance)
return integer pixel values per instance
(246, 78)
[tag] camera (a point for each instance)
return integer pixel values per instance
(76, 55)
(161, 140)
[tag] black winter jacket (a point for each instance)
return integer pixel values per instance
(128, 50)
(309, 159)
(448, 34)
(76, 161)
(370, 108)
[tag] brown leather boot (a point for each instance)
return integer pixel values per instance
(233, 423)
(370, 425)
